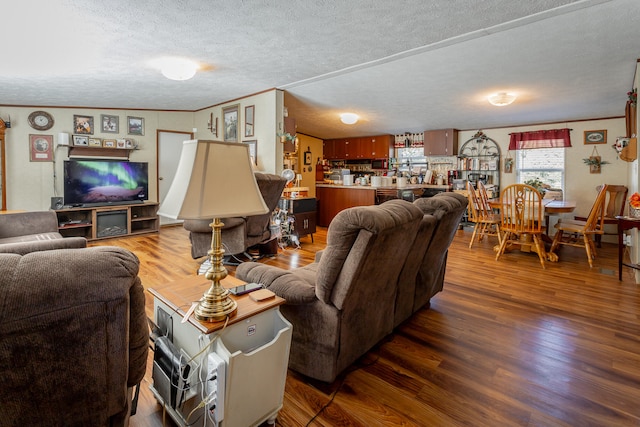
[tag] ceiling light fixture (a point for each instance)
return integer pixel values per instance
(501, 99)
(175, 68)
(349, 118)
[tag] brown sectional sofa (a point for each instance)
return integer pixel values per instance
(381, 264)
(25, 232)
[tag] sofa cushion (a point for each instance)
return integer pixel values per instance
(30, 238)
(345, 228)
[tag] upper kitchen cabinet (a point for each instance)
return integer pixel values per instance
(328, 149)
(369, 147)
(442, 142)
(376, 147)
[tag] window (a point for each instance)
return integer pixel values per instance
(545, 164)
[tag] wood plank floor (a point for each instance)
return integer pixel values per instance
(505, 344)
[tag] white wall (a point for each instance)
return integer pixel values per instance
(30, 185)
(579, 183)
(265, 127)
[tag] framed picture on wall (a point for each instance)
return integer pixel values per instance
(135, 125)
(83, 125)
(595, 136)
(230, 123)
(253, 150)
(110, 124)
(41, 148)
(80, 140)
(248, 120)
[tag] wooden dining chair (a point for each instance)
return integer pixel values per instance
(522, 215)
(486, 222)
(581, 233)
(615, 202)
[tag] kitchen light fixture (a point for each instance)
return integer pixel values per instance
(349, 118)
(176, 68)
(501, 99)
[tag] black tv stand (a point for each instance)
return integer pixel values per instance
(82, 221)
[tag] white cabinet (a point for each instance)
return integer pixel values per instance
(254, 348)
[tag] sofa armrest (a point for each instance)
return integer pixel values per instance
(319, 255)
(138, 334)
(284, 283)
(23, 248)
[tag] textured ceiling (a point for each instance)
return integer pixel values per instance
(403, 66)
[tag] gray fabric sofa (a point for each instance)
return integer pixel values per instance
(381, 264)
(25, 232)
(74, 336)
(239, 234)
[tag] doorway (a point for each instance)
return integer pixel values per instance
(169, 150)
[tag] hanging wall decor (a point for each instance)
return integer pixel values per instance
(595, 161)
(508, 163)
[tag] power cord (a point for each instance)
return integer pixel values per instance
(342, 381)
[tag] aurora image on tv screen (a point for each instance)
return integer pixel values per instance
(94, 182)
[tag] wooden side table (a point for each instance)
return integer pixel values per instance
(625, 223)
(253, 347)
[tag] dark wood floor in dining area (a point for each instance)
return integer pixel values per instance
(505, 344)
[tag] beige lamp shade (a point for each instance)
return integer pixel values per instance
(213, 180)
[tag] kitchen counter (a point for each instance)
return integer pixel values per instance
(333, 198)
(383, 187)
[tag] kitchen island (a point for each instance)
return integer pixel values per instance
(333, 198)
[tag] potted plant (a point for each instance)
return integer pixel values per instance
(538, 184)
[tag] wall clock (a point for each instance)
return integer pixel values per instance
(40, 120)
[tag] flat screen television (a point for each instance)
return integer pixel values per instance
(104, 182)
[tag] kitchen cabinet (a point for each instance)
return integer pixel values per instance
(376, 147)
(441, 142)
(352, 148)
(328, 149)
(333, 199)
(369, 147)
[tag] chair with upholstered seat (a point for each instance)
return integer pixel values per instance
(239, 234)
(521, 215)
(580, 233)
(614, 206)
(486, 222)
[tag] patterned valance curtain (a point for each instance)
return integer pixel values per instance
(553, 138)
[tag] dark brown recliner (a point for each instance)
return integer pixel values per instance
(239, 234)
(74, 336)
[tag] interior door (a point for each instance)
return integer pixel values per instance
(169, 150)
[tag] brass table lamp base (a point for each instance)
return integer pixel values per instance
(216, 304)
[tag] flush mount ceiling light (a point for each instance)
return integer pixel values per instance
(501, 99)
(175, 68)
(349, 118)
